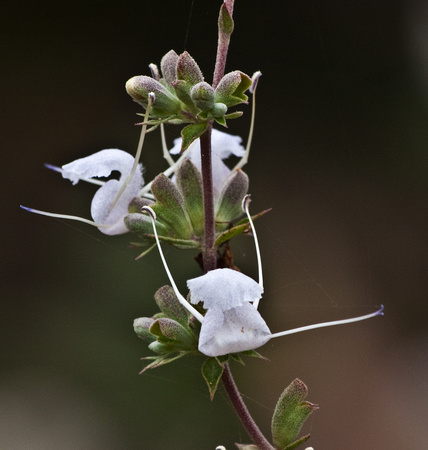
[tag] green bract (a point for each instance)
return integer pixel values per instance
(172, 333)
(180, 212)
(290, 413)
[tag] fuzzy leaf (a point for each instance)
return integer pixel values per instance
(233, 115)
(297, 443)
(212, 372)
(191, 133)
(239, 228)
(231, 88)
(225, 21)
(290, 413)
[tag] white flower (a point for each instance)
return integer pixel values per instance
(232, 324)
(223, 145)
(106, 209)
(110, 203)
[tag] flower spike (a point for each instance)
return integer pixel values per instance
(245, 208)
(181, 299)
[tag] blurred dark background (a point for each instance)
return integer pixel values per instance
(341, 155)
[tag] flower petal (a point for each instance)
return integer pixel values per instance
(233, 331)
(223, 146)
(223, 289)
(102, 164)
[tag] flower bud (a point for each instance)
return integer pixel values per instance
(165, 104)
(202, 95)
(219, 110)
(142, 326)
(169, 67)
(188, 70)
(140, 223)
(168, 303)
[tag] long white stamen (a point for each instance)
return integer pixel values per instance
(166, 154)
(151, 99)
(253, 89)
(64, 216)
(181, 299)
(329, 324)
(88, 180)
(245, 208)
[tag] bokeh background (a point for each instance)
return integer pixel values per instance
(341, 155)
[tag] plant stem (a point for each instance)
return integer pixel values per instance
(241, 410)
(222, 45)
(209, 255)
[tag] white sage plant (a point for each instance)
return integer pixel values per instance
(197, 203)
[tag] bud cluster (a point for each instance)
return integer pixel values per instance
(172, 333)
(182, 96)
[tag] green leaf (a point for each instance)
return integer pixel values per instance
(297, 443)
(212, 372)
(239, 228)
(191, 133)
(290, 413)
(141, 255)
(225, 21)
(161, 360)
(237, 358)
(233, 115)
(180, 243)
(254, 354)
(221, 121)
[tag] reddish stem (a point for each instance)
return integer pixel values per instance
(241, 410)
(209, 255)
(208, 252)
